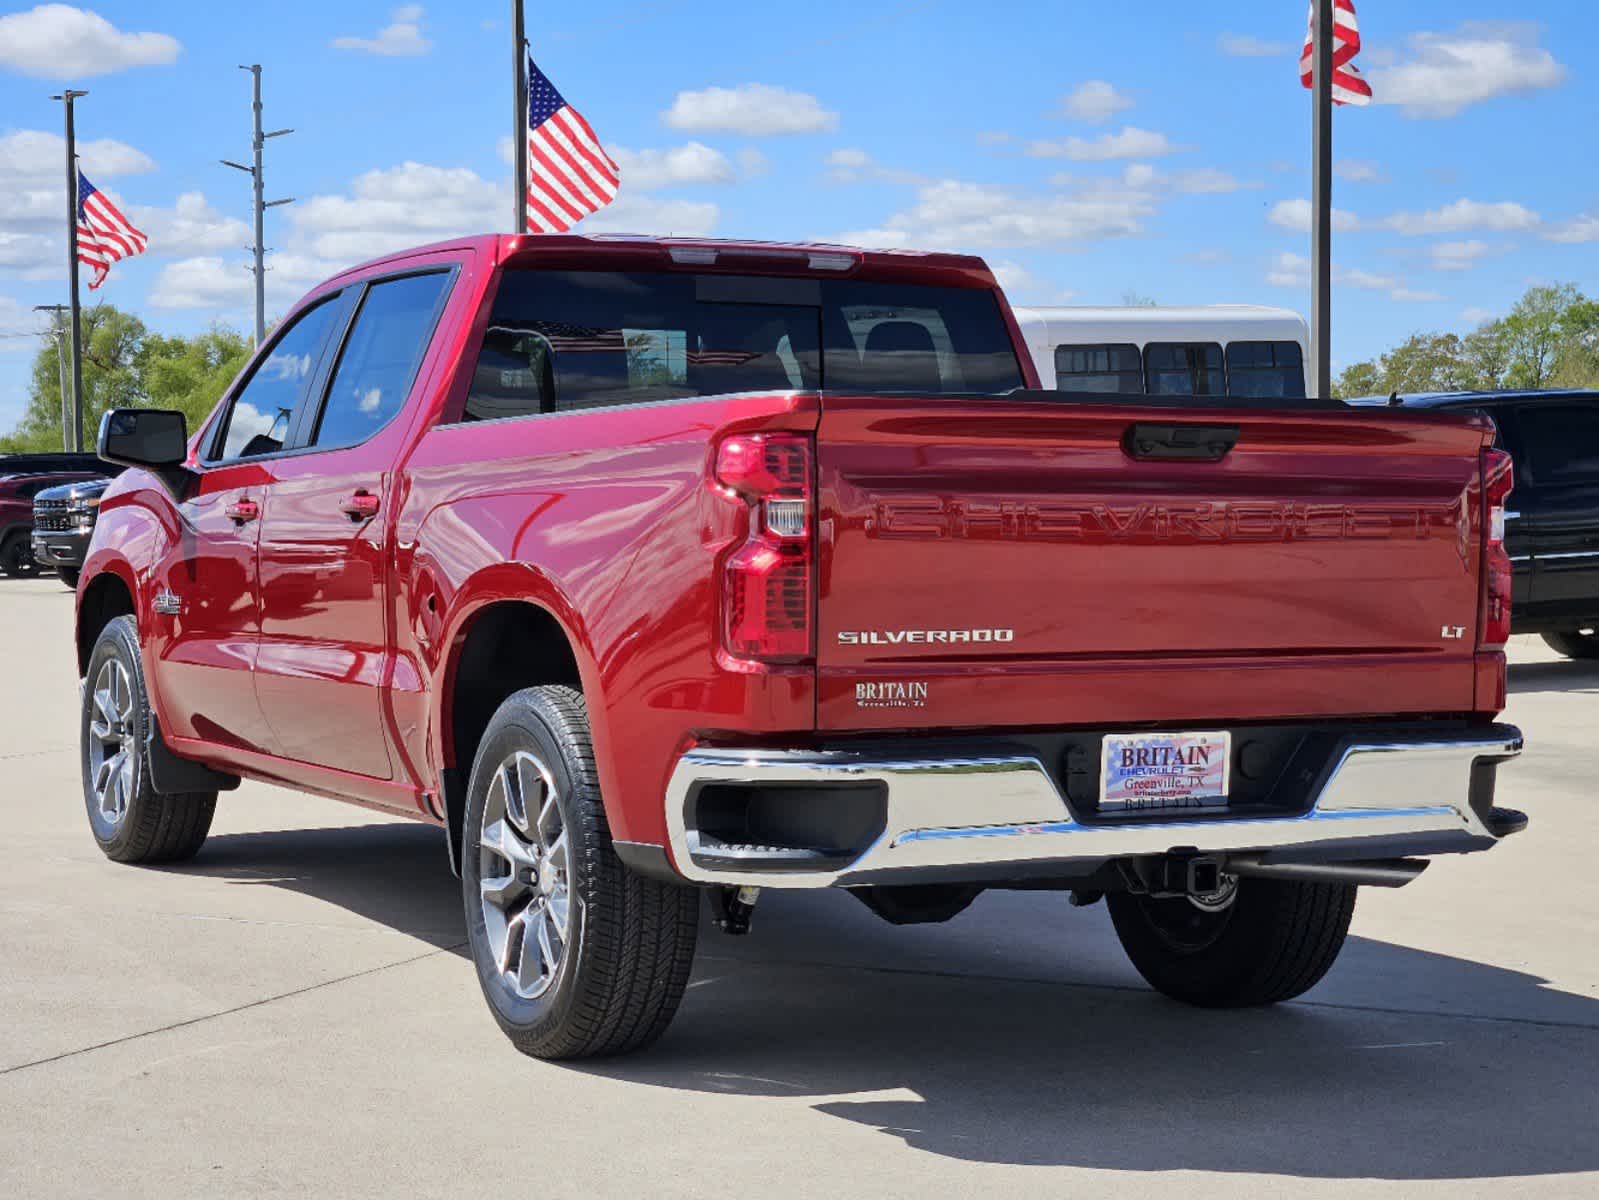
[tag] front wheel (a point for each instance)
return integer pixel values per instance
(1258, 941)
(130, 820)
(16, 555)
(1575, 643)
(576, 954)
(69, 576)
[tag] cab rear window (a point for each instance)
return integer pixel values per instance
(564, 340)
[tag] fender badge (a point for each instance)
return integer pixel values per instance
(167, 604)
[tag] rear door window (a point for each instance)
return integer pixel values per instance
(1185, 369)
(380, 358)
(1116, 368)
(1269, 369)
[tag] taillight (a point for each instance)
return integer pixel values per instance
(1493, 622)
(766, 590)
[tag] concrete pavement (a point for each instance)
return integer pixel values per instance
(292, 1014)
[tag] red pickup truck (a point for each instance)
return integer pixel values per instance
(647, 568)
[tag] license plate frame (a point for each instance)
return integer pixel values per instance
(1184, 771)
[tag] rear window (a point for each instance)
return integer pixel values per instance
(1117, 368)
(564, 340)
(1270, 369)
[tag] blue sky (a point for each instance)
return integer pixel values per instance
(1089, 151)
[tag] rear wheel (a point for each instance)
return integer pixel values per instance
(69, 576)
(1257, 941)
(1576, 643)
(576, 954)
(16, 555)
(131, 821)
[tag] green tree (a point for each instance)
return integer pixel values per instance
(1534, 331)
(1425, 362)
(125, 365)
(1360, 379)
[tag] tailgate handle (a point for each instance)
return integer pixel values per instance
(1204, 443)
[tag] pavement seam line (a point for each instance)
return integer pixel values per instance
(1117, 987)
(227, 1012)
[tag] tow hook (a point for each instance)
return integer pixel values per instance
(732, 907)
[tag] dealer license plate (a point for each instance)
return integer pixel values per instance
(1151, 772)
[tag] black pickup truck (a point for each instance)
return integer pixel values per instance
(1552, 526)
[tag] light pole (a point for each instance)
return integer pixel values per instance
(67, 98)
(58, 334)
(258, 142)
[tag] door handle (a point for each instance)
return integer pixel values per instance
(242, 510)
(362, 506)
(1200, 443)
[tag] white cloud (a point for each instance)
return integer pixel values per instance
(959, 215)
(32, 154)
(1457, 256)
(1463, 215)
(692, 162)
(1476, 316)
(1293, 271)
(852, 165)
(1095, 102)
(29, 254)
(400, 38)
(1295, 215)
(58, 41)
(191, 226)
(1359, 171)
(1578, 229)
(755, 109)
(1207, 181)
(1131, 142)
(640, 213)
(1447, 72)
(395, 207)
(751, 162)
(217, 285)
(1245, 45)
(994, 137)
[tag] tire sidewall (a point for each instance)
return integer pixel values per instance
(118, 640)
(525, 727)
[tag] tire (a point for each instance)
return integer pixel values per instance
(130, 820)
(613, 982)
(16, 555)
(69, 576)
(1574, 644)
(1274, 941)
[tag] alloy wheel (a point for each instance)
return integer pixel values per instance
(524, 873)
(113, 748)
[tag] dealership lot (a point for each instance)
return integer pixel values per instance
(293, 1013)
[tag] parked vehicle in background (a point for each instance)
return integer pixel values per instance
(22, 478)
(653, 567)
(63, 521)
(1552, 528)
(1218, 350)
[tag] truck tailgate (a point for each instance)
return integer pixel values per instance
(1012, 563)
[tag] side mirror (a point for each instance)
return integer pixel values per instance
(153, 438)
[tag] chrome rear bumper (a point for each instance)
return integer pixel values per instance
(977, 817)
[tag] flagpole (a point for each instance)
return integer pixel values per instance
(519, 127)
(1321, 203)
(67, 97)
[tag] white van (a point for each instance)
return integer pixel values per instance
(1217, 350)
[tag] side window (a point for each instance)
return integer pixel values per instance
(1184, 369)
(1270, 369)
(258, 420)
(380, 358)
(1109, 368)
(1561, 442)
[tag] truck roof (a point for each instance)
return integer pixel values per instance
(1238, 322)
(623, 251)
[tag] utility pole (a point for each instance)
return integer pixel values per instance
(73, 200)
(1321, 178)
(519, 118)
(58, 334)
(258, 142)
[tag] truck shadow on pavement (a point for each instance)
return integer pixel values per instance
(1017, 1034)
(1561, 676)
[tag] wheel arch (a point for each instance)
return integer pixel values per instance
(109, 594)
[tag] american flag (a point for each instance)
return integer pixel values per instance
(569, 175)
(104, 234)
(1348, 86)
